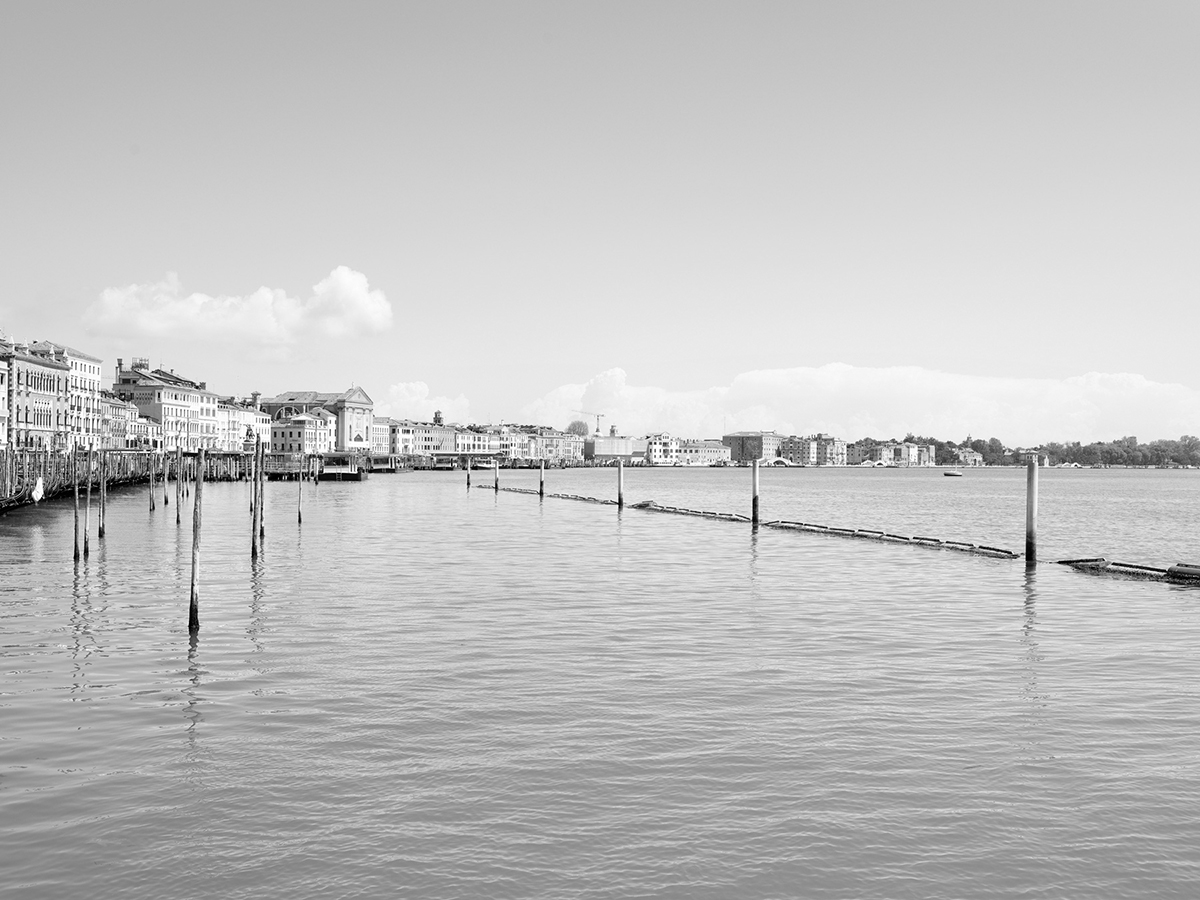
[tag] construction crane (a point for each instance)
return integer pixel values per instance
(599, 416)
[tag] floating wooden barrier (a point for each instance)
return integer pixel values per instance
(1180, 573)
(833, 531)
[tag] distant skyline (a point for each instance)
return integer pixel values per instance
(846, 217)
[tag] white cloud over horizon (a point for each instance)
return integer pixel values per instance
(341, 305)
(412, 400)
(855, 401)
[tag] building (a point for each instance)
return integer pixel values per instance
(185, 410)
(662, 450)
(703, 453)
(745, 446)
(83, 405)
(352, 409)
(4, 416)
(239, 423)
(427, 438)
(301, 433)
(145, 433)
(38, 399)
(969, 457)
(117, 418)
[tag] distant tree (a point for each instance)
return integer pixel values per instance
(579, 427)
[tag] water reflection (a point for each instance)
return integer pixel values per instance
(82, 639)
(257, 622)
(1032, 655)
(193, 754)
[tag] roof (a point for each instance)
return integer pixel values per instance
(50, 347)
(315, 396)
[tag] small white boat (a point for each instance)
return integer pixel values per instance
(953, 473)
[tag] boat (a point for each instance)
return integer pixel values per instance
(953, 473)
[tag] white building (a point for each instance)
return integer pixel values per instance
(84, 411)
(704, 453)
(185, 410)
(662, 450)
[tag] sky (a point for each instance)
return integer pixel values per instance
(859, 218)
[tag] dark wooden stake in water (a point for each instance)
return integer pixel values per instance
(194, 600)
(754, 502)
(256, 498)
(178, 485)
(300, 493)
(620, 484)
(262, 497)
(75, 478)
(467, 465)
(1031, 511)
(150, 469)
(87, 512)
(103, 492)
(542, 478)
(496, 470)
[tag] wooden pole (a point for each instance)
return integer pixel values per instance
(150, 469)
(467, 466)
(496, 470)
(1031, 511)
(87, 512)
(75, 478)
(300, 492)
(754, 502)
(262, 497)
(620, 484)
(542, 478)
(103, 492)
(254, 500)
(178, 484)
(194, 600)
(166, 478)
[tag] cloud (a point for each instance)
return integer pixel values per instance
(341, 305)
(411, 400)
(854, 401)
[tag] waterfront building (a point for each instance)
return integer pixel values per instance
(116, 421)
(301, 433)
(969, 457)
(3, 399)
(38, 398)
(801, 451)
(83, 403)
(704, 453)
(662, 450)
(239, 423)
(353, 410)
(145, 433)
(428, 438)
(613, 447)
(185, 409)
(745, 446)
(381, 435)
(478, 441)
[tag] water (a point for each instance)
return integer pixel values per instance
(431, 693)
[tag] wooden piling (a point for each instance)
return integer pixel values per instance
(197, 513)
(255, 498)
(467, 464)
(75, 478)
(754, 501)
(496, 470)
(542, 478)
(1031, 511)
(300, 492)
(178, 485)
(103, 492)
(87, 512)
(150, 470)
(620, 484)
(262, 496)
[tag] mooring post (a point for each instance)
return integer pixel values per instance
(254, 497)
(262, 497)
(150, 469)
(467, 466)
(496, 470)
(87, 510)
(103, 492)
(620, 484)
(178, 484)
(542, 478)
(1031, 511)
(75, 478)
(300, 492)
(754, 502)
(194, 600)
